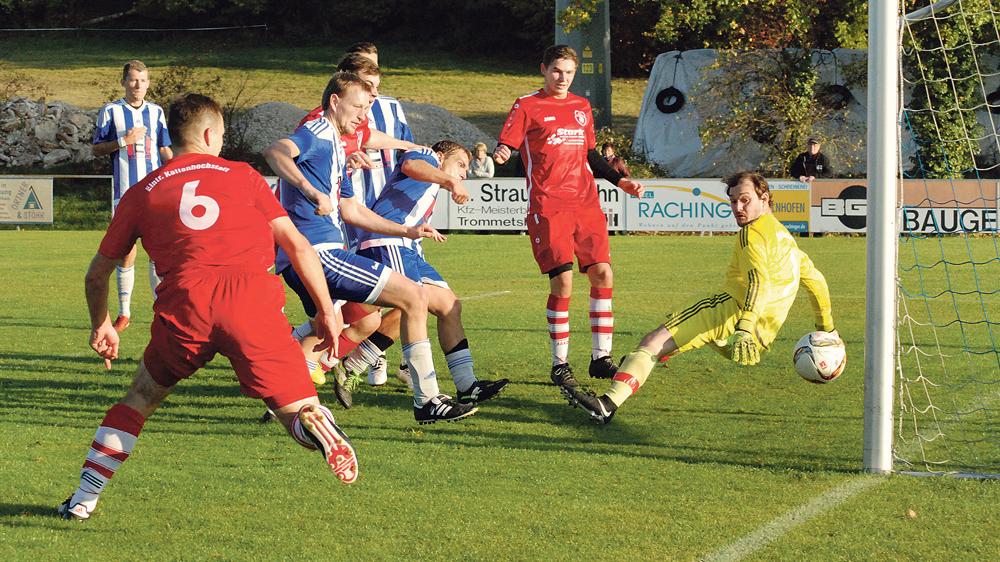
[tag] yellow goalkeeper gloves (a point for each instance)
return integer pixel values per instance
(744, 348)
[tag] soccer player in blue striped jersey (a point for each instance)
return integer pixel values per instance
(311, 165)
(134, 132)
(408, 199)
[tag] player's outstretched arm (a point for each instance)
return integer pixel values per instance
(306, 263)
(280, 157)
(363, 217)
(819, 292)
(380, 141)
(103, 337)
(424, 171)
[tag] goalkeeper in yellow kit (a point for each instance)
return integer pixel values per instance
(761, 283)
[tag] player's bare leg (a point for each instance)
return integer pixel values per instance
(445, 305)
(114, 441)
(602, 366)
(428, 403)
(125, 274)
(355, 333)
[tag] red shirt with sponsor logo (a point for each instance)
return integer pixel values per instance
(553, 136)
(352, 143)
(195, 213)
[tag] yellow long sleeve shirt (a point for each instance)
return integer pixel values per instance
(764, 276)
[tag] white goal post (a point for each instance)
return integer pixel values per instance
(883, 187)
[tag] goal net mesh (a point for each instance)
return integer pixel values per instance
(948, 307)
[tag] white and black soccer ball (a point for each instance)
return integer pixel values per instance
(819, 357)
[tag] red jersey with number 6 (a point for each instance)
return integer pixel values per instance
(553, 136)
(195, 213)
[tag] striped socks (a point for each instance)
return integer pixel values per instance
(303, 437)
(602, 322)
(557, 312)
(459, 360)
(111, 447)
(631, 375)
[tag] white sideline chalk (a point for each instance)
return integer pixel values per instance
(778, 527)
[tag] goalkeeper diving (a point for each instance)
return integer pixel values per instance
(744, 318)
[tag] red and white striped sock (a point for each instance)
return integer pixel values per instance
(301, 435)
(111, 446)
(602, 322)
(557, 312)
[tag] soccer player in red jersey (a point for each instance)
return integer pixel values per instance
(554, 132)
(210, 225)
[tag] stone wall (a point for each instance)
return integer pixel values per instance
(45, 134)
(40, 133)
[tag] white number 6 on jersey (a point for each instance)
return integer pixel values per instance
(189, 200)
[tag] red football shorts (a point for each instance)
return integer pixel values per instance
(235, 313)
(557, 237)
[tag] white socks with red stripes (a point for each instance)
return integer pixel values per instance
(111, 446)
(557, 312)
(602, 322)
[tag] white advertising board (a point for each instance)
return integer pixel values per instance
(502, 204)
(681, 205)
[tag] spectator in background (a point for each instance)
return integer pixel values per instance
(481, 165)
(812, 163)
(617, 163)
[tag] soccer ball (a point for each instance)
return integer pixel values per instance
(819, 357)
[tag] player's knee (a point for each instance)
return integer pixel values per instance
(600, 275)
(369, 323)
(414, 298)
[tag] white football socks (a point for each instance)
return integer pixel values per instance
(126, 282)
(418, 356)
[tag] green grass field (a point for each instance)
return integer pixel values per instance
(706, 457)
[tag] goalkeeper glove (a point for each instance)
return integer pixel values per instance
(744, 348)
(831, 337)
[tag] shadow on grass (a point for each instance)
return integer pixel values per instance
(38, 516)
(619, 438)
(545, 422)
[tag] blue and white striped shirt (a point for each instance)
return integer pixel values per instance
(135, 161)
(386, 115)
(405, 201)
(321, 160)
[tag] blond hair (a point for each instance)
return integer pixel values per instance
(133, 64)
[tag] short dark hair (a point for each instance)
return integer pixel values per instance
(607, 145)
(362, 47)
(134, 64)
(339, 82)
(556, 52)
(358, 64)
(759, 183)
(186, 109)
(446, 147)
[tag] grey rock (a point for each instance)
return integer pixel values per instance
(56, 156)
(46, 130)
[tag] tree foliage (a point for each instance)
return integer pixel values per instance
(941, 63)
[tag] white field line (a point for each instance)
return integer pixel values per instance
(779, 527)
(483, 296)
